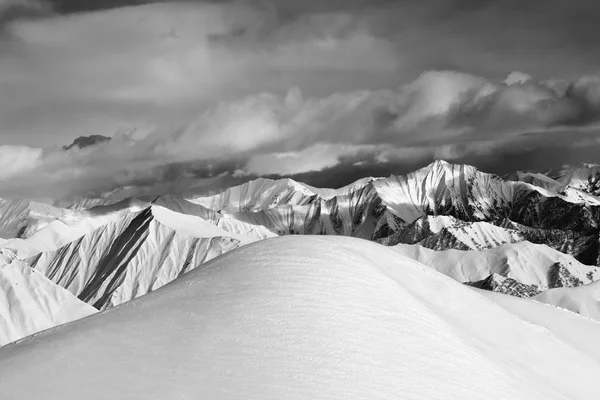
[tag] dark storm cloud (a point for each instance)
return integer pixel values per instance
(75, 6)
(12, 10)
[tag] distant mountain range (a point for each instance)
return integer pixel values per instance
(528, 237)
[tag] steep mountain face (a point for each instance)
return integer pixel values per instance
(136, 254)
(584, 246)
(360, 213)
(30, 303)
(583, 300)
(446, 232)
(526, 263)
(311, 317)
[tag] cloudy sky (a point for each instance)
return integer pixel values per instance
(325, 91)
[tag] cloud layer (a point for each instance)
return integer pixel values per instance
(442, 114)
(192, 90)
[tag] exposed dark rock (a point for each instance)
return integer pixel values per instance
(87, 141)
(500, 284)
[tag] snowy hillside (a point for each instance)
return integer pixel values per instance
(527, 263)
(30, 303)
(311, 317)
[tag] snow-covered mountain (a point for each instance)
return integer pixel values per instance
(137, 253)
(311, 317)
(30, 303)
(444, 232)
(585, 178)
(256, 195)
(379, 208)
(20, 218)
(524, 262)
(518, 237)
(69, 226)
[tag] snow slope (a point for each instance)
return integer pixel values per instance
(303, 318)
(328, 193)
(359, 213)
(30, 303)
(20, 217)
(221, 219)
(527, 263)
(133, 255)
(259, 194)
(70, 227)
(584, 300)
(567, 326)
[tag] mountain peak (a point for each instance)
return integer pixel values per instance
(87, 141)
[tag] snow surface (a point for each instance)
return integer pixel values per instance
(584, 300)
(30, 303)
(311, 317)
(525, 262)
(567, 326)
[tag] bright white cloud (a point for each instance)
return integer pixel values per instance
(15, 160)
(517, 77)
(314, 158)
(442, 114)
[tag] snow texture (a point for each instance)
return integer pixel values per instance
(311, 317)
(30, 303)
